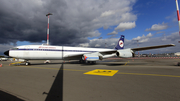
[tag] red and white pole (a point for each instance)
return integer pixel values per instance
(48, 28)
(178, 15)
(48, 32)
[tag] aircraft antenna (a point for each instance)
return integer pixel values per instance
(48, 28)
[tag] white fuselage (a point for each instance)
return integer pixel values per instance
(33, 52)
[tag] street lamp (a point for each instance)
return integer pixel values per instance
(48, 28)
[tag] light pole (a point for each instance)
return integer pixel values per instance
(48, 28)
(105, 45)
(48, 61)
(138, 47)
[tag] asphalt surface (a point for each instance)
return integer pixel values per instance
(135, 80)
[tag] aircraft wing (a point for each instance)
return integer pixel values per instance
(73, 57)
(108, 52)
(152, 47)
(79, 56)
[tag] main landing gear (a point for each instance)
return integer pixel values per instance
(178, 63)
(87, 62)
(91, 62)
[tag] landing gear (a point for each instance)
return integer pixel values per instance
(47, 61)
(87, 62)
(93, 62)
(27, 63)
(82, 61)
(178, 63)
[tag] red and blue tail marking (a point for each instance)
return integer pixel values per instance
(120, 44)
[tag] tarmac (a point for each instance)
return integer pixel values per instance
(108, 80)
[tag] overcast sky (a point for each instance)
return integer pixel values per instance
(89, 23)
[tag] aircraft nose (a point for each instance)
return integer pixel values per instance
(6, 53)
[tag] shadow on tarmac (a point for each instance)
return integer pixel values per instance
(8, 97)
(56, 91)
(115, 63)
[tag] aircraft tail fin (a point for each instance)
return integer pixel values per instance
(120, 44)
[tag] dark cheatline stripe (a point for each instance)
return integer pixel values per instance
(53, 50)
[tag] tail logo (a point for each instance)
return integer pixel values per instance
(121, 44)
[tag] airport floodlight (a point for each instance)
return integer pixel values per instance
(49, 14)
(48, 28)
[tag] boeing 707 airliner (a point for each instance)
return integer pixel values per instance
(50, 52)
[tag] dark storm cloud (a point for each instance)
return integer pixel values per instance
(72, 21)
(22, 22)
(17, 23)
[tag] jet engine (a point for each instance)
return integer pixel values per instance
(125, 53)
(89, 57)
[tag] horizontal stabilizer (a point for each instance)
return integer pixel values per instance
(152, 47)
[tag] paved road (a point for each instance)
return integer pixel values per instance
(137, 80)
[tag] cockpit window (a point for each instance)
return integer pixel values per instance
(14, 48)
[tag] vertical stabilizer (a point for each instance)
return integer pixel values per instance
(120, 44)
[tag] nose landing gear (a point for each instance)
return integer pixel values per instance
(27, 63)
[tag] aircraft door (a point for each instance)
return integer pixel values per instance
(26, 51)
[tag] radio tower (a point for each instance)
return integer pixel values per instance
(48, 28)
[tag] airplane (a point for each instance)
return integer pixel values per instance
(84, 55)
(3, 59)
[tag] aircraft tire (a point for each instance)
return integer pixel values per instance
(27, 63)
(178, 63)
(93, 62)
(82, 61)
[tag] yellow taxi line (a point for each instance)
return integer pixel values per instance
(116, 73)
(148, 74)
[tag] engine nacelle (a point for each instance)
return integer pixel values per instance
(125, 54)
(88, 57)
